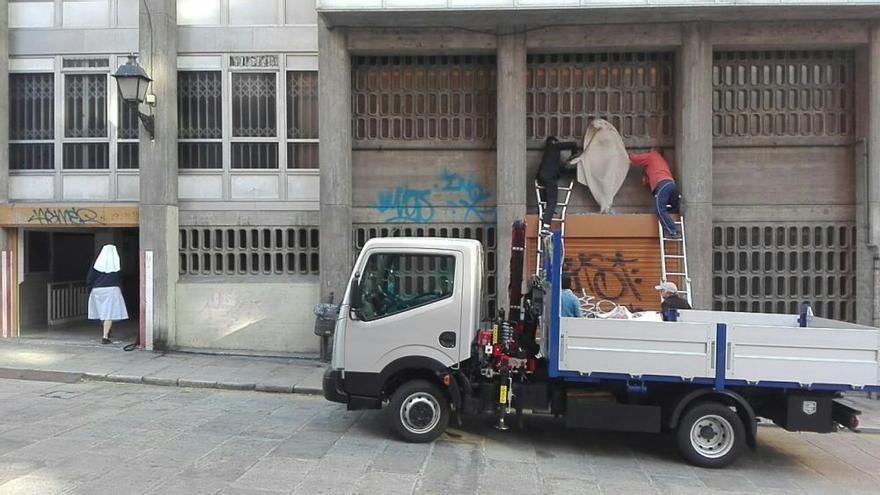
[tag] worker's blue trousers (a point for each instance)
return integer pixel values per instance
(665, 195)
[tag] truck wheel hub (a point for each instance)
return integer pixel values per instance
(420, 413)
(712, 436)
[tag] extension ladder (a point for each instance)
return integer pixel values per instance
(561, 209)
(674, 252)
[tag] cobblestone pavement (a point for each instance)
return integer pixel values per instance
(97, 437)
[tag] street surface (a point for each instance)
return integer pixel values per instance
(96, 438)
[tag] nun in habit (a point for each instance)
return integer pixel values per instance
(105, 297)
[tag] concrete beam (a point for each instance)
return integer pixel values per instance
(871, 150)
(334, 102)
(604, 37)
(410, 41)
(799, 35)
(694, 154)
(158, 163)
(510, 162)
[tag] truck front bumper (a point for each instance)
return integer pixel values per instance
(332, 386)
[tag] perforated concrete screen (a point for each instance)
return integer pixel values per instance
(249, 251)
(486, 235)
(437, 99)
(774, 268)
(633, 91)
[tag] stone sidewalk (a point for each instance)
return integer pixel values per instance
(70, 363)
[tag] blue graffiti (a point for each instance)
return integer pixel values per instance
(408, 205)
(463, 195)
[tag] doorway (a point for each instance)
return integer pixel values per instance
(53, 296)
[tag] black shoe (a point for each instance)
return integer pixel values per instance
(106, 341)
(674, 236)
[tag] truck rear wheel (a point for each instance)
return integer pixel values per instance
(418, 411)
(710, 435)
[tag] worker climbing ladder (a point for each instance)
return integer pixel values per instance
(673, 260)
(558, 218)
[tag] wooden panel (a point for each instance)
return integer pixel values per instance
(615, 257)
(783, 176)
(68, 215)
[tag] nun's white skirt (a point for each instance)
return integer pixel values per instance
(106, 303)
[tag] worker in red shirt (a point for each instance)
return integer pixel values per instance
(659, 179)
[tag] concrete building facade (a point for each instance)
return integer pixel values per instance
(260, 184)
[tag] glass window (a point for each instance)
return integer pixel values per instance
(30, 13)
(85, 13)
(198, 12)
(200, 117)
(253, 12)
(85, 116)
(127, 13)
(254, 116)
(302, 119)
(127, 149)
(31, 121)
(301, 12)
(395, 282)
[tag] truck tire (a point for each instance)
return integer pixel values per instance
(418, 411)
(710, 435)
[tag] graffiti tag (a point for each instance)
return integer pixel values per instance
(605, 277)
(461, 195)
(64, 216)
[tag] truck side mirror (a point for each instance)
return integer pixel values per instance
(354, 298)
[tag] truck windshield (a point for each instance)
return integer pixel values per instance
(395, 282)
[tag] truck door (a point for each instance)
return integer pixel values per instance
(410, 306)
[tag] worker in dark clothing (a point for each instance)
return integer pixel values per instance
(548, 175)
(659, 179)
(671, 299)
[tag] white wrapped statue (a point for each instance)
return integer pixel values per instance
(603, 165)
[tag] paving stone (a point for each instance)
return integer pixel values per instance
(306, 445)
(401, 458)
(385, 483)
(275, 473)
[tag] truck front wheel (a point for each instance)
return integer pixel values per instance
(418, 411)
(710, 435)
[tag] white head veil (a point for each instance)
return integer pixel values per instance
(108, 260)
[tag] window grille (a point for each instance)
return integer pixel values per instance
(782, 94)
(127, 147)
(86, 63)
(302, 119)
(85, 122)
(249, 251)
(200, 117)
(424, 98)
(775, 268)
(31, 121)
(486, 235)
(633, 91)
(254, 116)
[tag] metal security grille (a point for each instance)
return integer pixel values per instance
(302, 119)
(127, 149)
(633, 91)
(85, 105)
(88, 156)
(775, 94)
(775, 268)
(31, 121)
(426, 98)
(249, 251)
(486, 235)
(200, 119)
(254, 115)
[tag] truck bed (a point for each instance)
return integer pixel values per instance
(725, 348)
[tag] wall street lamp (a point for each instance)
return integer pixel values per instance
(133, 83)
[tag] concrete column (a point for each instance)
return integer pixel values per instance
(334, 107)
(868, 277)
(157, 43)
(510, 165)
(4, 102)
(693, 150)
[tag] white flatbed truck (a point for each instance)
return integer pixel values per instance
(409, 338)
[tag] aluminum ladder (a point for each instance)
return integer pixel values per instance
(674, 252)
(563, 198)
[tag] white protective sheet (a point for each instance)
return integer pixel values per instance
(604, 163)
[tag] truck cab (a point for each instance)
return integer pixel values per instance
(410, 312)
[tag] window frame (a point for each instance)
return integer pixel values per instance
(294, 141)
(110, 112)
(222, 140)
(37, 70)
(456, 279)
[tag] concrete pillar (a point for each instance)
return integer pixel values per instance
(334, 107)
(868, 277)
(693, 150)
(157, 43)
(4, 102)
(510, 164)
